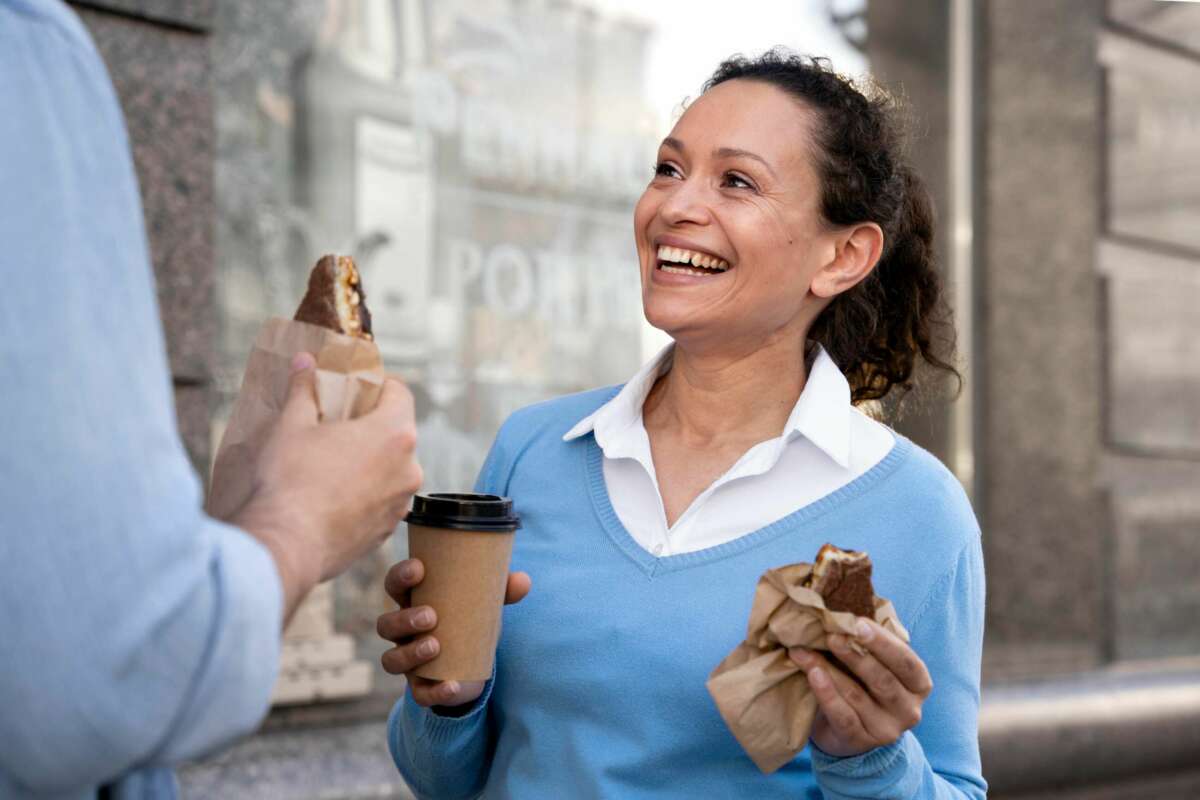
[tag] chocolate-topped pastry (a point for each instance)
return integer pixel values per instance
(335, 298)
(843, 579)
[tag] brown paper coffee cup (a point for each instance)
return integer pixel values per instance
(465, 542)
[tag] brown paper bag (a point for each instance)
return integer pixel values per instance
(349, 382)
(763, 695)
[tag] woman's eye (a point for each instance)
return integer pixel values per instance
(666, 170)
(735, 181)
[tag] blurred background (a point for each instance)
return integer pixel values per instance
(481, 158)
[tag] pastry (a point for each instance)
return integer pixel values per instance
(335, 298)
(843, 579)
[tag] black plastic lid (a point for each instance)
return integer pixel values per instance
(464, 512)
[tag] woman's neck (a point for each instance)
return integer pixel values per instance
(728, 397)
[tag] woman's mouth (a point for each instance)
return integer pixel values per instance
(679, 261)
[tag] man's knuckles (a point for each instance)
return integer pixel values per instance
(402, 439)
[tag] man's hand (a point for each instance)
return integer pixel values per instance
(856, 717)
(408, 627)
(327, 493)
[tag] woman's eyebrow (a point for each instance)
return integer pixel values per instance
(733, 152)
(722, 152)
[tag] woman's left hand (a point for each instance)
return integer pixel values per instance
(852, 720)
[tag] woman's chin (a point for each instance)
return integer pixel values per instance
(676, 322)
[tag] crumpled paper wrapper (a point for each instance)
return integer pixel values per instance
(763, 695)
(349, 382)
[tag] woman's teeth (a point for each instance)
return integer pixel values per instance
(678, 260)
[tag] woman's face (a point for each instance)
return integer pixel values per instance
(734, 188)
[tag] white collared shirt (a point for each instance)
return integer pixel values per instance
(826, 444)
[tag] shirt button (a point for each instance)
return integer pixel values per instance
(658, 548)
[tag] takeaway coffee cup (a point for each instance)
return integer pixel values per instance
(465, 542)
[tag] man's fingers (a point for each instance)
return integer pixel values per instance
(395, 404)
(519, 584)
(300, 408)
(895, 654)
(397, 626)
(403, 658)
(402, 577)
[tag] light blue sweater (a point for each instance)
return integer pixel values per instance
(599, 687)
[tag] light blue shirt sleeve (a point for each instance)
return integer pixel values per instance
(136, 631)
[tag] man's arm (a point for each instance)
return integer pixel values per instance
(136, 630)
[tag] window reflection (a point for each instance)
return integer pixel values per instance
(480, 160)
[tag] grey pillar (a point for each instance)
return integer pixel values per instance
(907, 45)
(1040, 338)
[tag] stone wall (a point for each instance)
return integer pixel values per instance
(1149, 267)
(157, 52)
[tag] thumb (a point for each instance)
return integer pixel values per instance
(300, 408)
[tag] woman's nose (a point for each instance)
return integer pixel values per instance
(687, 202)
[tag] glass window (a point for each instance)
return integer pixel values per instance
(480, 159)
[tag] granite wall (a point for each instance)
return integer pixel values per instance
(157, 52)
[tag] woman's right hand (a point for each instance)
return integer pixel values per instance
(408, 630)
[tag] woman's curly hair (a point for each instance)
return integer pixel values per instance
(875, 331)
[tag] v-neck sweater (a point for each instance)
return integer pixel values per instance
(599, 689)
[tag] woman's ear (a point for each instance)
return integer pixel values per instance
(856, 252)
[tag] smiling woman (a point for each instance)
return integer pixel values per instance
(785, 247)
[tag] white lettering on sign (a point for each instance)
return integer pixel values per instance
(508, 280)
(591, 290)
(499, 143)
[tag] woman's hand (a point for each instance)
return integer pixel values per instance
(852, 720)
(407, 628)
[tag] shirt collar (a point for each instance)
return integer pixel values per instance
(614, 422)
(821, 414)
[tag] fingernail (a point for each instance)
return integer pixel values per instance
(302, 361)
(424, 618)
(801, 657)
(407, 572)
(817, 678)
(449, 688)
(865, 631)
(426, 648)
